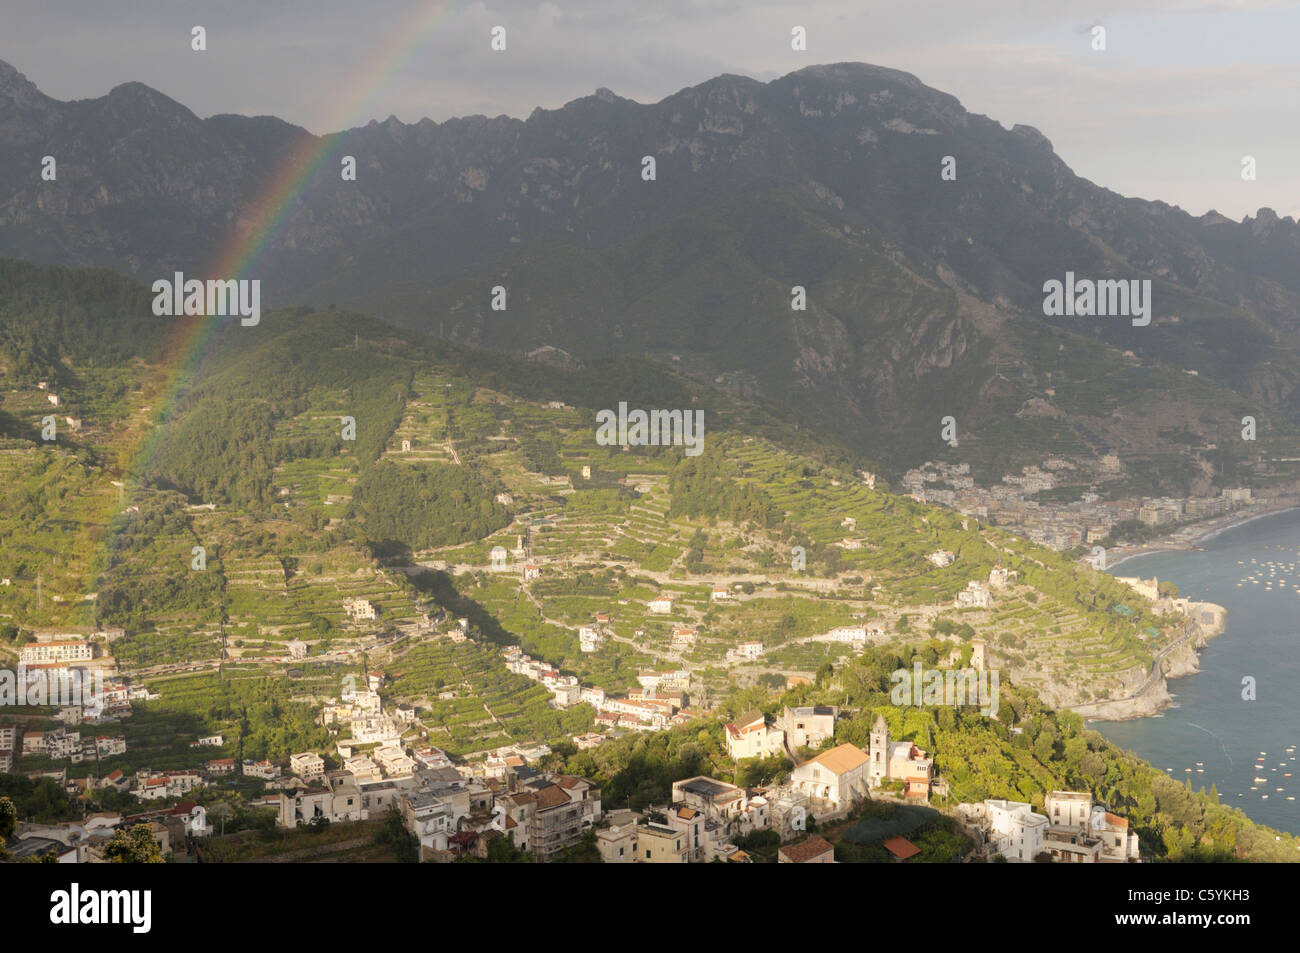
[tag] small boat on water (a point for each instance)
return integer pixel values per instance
(1261, 780)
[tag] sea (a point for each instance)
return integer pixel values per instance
(1235, 724)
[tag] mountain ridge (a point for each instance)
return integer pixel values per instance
(827, 178)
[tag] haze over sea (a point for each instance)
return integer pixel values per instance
(1210, 722)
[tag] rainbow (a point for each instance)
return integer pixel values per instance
(266, 216)
(270, 211)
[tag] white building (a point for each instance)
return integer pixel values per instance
(975, 595)
(359, 609)
(809, 725)
(838, 777)
(617, 843)
(567, 693)
(1001, 577)
(1015, 831)
(106, 746)
(1068, 808)
(342, 803)
(63, 650)
(394, 762)
(1119, 840)
(265, 770)
(431, 757)
(308, 765)
(683, 638)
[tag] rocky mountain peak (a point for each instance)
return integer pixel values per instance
(17, 89)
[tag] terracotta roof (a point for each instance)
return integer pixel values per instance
(1116, 820)
(551, 796)
(806, 850)
(901, 847)
(841, 758)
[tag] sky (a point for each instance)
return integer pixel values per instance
(1182, 92)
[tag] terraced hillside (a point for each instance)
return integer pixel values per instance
(355, 490)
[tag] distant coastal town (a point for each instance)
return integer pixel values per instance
(1016, 504)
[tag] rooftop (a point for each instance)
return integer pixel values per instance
(841, 758)
(901, 847)
(806, 850)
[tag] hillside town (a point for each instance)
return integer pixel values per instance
(455, 810)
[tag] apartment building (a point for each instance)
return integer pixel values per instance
(552, 813)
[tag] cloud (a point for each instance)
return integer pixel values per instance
(1183, 86)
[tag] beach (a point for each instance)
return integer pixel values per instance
(1193, 535)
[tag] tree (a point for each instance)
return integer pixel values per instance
(502, 850)
(8, 819)
(393, 834)
(135, 846)
(585, 851)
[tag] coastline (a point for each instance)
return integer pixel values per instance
(1204, 621)
(1192, 536)
(1154, 698)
